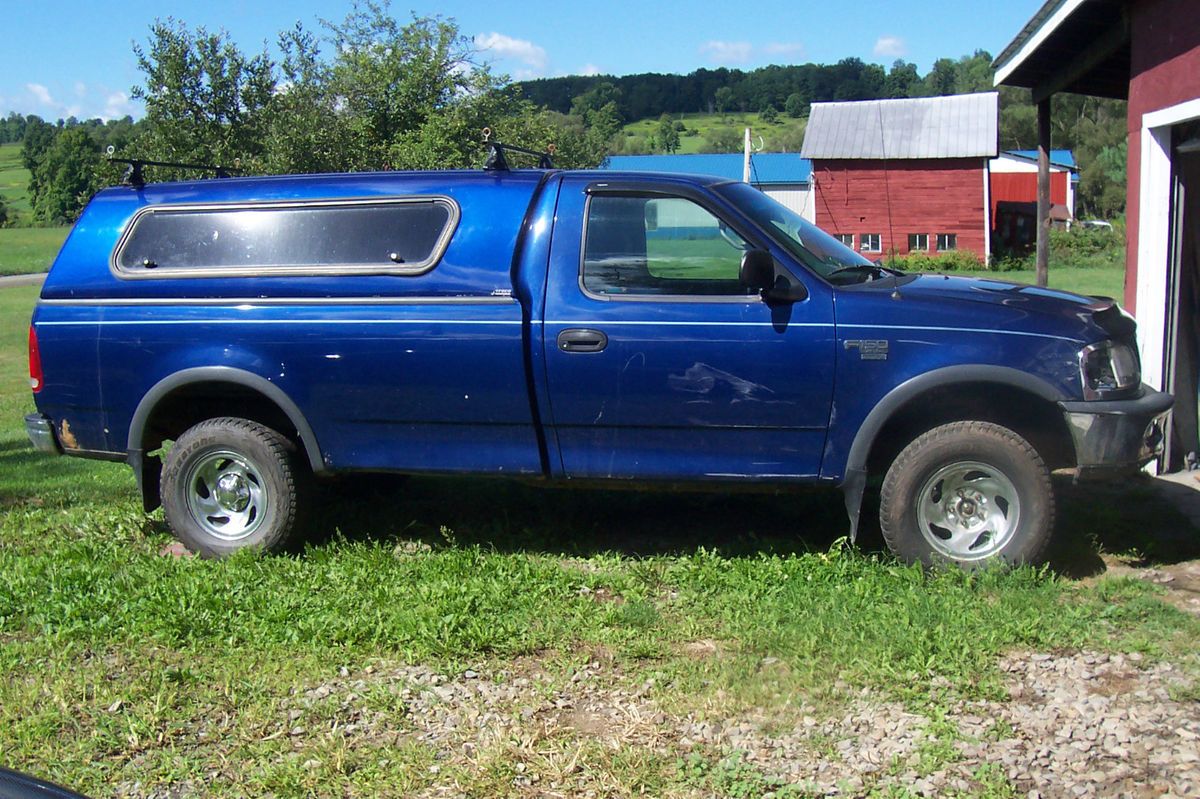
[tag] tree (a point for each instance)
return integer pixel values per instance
(768, 114)
(206, 101)
(722, 140)
(666, 134)
(901, 79)
(723, 100)
(795, 107)
(66, 177)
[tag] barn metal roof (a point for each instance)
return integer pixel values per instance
(958, 126)
(1063, 158)
(765, 168)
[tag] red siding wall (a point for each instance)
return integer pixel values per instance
(1021, 187)
(927, 196)
(1165, 38)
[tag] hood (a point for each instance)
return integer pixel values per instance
(940, 296)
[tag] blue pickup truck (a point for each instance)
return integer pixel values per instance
(234, 339)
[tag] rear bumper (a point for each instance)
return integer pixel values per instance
(1117, 435)
(41, 434)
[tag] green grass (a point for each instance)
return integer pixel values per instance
(122, 666)
(25, 250)
(785, 132)
(1102, 282)
(14, 180)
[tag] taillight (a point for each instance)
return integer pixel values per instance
(35, 362)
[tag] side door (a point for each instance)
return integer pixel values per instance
(660, 363)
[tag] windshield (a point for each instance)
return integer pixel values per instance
(812, 246)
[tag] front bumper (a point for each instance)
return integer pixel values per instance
(1117, 435)
(41, 433)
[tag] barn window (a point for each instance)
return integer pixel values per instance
(918, 242)
(947, 241)
(870, 242)
(845, 238)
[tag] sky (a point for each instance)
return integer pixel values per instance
(62, 58)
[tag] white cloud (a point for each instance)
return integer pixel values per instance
(892, 46)
(589, 69)
(86, 102)
(117, 105)
(786, 49)
(520, 50)
(719, 52)
(41, 93)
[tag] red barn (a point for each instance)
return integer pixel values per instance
(905, 175)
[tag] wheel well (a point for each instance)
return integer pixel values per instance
(1037, 420)
(195, 402)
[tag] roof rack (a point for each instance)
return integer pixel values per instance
(135, 174)
(497, 161)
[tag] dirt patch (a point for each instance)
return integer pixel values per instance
(1180, 581)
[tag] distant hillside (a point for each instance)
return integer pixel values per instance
(716, 133)
(708, 90)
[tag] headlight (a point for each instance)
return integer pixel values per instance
(1108, 368)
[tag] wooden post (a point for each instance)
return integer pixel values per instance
(1043, 191)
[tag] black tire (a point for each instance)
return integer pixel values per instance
(925, 519)
(256, 505)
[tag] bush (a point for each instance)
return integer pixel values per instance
(952, 261)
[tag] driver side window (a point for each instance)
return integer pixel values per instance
(667, 246)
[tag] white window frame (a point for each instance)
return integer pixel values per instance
(919, 236)
(943, 237)
(865, 240)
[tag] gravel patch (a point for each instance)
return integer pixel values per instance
(1077, 724)
(1084, 724)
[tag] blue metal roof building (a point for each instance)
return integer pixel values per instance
(765, 168)
(785, 177)
(1064, 158)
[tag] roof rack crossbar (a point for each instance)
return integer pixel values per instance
(135, 174)
(497, 160)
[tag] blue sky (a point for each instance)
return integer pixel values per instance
(74, 57)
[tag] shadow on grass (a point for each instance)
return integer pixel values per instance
(1137, 519)
(1132, 519)
(511, 517)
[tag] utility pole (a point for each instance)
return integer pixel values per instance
(746, 158)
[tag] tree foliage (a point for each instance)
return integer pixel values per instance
(66, 176)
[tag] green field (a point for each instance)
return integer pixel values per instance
(783, 135)
(313, 673)
(14, 180)
(25, 250)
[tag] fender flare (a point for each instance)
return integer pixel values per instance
(222, 374)
(854, 481)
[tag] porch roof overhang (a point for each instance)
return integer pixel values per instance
(1076, 46)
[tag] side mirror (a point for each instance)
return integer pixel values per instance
(758, 270)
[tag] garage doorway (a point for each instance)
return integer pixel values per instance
(1182, 345)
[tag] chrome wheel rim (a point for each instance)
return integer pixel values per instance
(225, 495)
(968, 510)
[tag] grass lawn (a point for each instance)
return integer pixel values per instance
(1102, 282)
(14, 179)
(24, 250)
(130, 672)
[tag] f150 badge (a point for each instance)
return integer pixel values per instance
(868, 349)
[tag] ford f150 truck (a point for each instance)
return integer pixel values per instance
(232, 338)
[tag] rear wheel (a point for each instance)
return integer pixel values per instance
(969, 493)
(231, 483)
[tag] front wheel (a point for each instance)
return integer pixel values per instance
(968, 493)
(230, 483)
